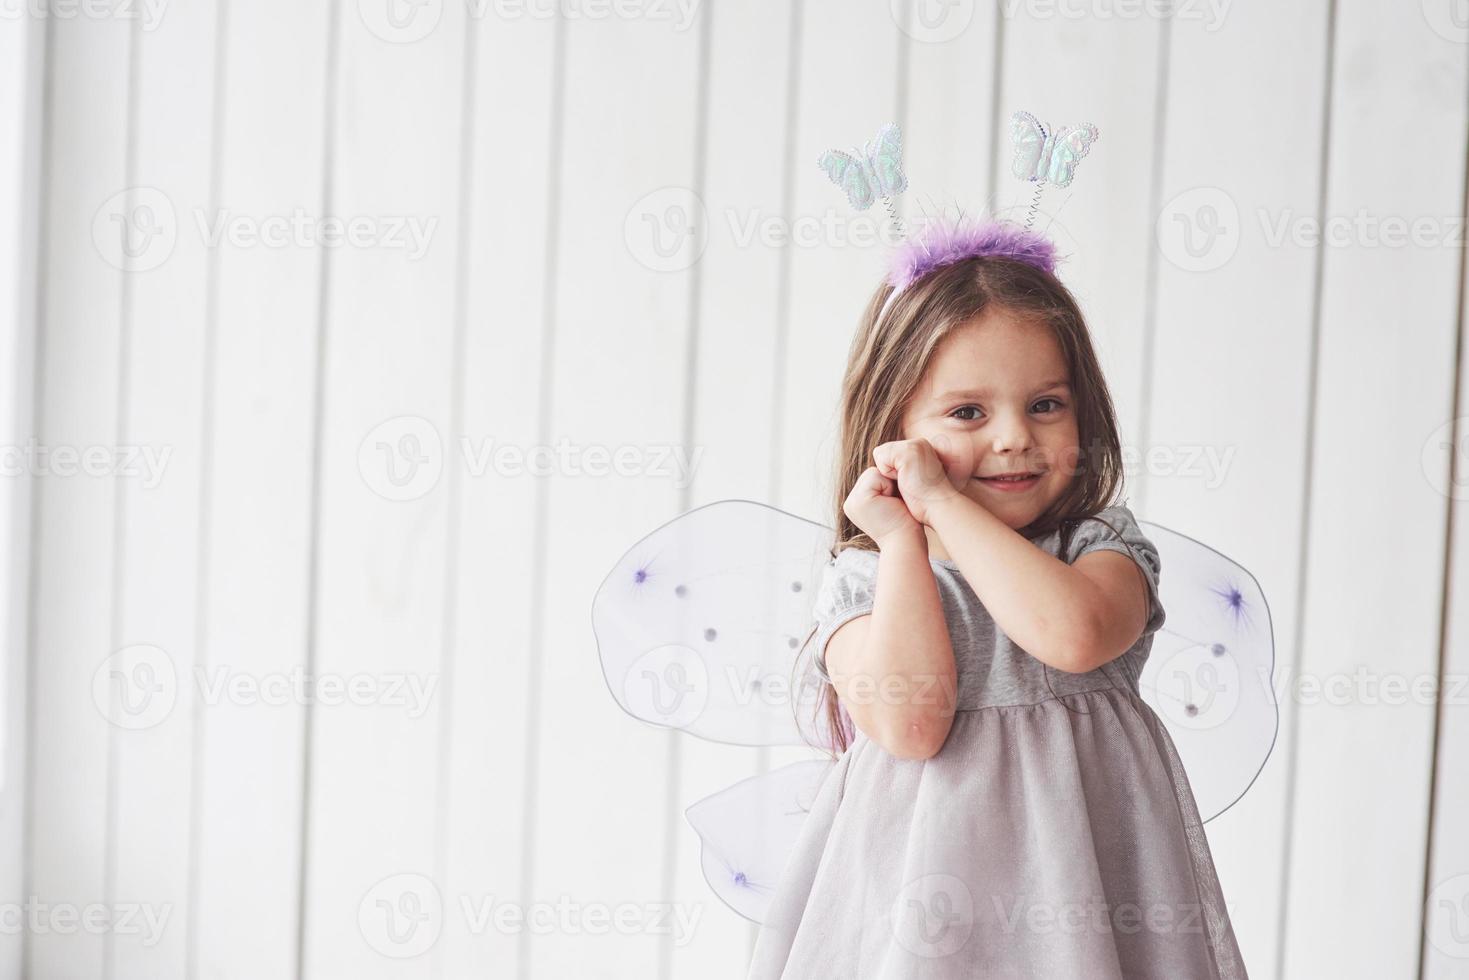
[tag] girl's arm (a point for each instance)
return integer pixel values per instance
(894, 668)
(1073, 617)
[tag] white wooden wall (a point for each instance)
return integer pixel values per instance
(301, 390)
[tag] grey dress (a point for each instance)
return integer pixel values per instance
(1053, 835)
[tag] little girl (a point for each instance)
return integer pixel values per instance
(1008, 805)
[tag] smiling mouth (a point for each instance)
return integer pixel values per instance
(1011, 481)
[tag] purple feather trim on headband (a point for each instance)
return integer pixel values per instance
(943, 241)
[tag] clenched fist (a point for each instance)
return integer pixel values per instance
(907, 478)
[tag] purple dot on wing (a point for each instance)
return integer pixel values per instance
(740, 879)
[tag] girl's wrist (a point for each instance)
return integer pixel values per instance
(908, 540)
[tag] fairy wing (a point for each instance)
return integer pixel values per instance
(1210, 673)
(748, 830)
(702, 625)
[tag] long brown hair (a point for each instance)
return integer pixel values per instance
(889, 356)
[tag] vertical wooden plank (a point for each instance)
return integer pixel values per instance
(619, 330)
(1233, 313)
(499, 378)
(1445, 940)
(21, 65)
(834, 259)
(743, 182)
(74, 523)
(1071, 67)
(841, 105)
(1374, 583)
(372, 908)
(261, 389)
(156, 567)
(950, 111)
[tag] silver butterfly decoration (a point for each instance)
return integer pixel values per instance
(872, 172)
(1045, 155)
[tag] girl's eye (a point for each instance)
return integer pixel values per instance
(975, 408)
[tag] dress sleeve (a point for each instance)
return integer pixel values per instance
(847, 590)
(1092, 535)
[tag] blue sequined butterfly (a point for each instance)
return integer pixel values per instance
(1051, 157)
(869, 173)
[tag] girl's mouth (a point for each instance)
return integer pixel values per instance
(1010, 484)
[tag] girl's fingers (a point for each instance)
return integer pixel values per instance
(872, 481)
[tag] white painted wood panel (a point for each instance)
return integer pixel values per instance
(254, 589)
(22, 64)
(161, 411)
(499, 375)
(619, 335)
(1375, 560)
(752, 61)
(78, 361)
(1229, 403)
(371, 906)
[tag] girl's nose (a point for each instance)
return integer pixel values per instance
(1010, 434)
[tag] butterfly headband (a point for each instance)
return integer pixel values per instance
(1041, 156)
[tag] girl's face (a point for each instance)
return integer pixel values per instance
(996, 399)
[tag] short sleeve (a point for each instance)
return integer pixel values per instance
(1093, 535)
(847, 590)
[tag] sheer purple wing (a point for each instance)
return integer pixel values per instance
(702, 625)
(1210, 673)
(748, 831)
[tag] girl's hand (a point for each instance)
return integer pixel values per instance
(922, 474)
(875, 507)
